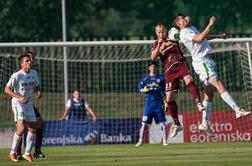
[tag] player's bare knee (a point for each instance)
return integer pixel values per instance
(187, 79)
(32, 130)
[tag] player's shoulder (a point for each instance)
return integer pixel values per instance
(160, 76)
(17, 73)
(154, 44)
(33, 71)
(144, 77)
(84, 101)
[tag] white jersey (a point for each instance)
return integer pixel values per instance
(199, 50)
(78, 102)
(23, 84)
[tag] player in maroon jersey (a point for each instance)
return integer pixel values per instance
(175, 69)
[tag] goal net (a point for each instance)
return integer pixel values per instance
(107, 74)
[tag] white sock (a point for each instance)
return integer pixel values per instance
(164, 135)
(230, 101)
(15, 143)
(141, 133)
(207, 113)
(29, 142)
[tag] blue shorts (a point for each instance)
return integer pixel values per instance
(153, 109)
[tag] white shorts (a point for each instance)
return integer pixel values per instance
(205, 68)
(24, 112)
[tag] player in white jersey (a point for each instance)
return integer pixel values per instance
(21, 87)
(197, 43)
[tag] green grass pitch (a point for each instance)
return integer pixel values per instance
(203, 154)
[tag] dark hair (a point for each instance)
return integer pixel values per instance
(32, 55)
(174, 20)
(76, 90)
(21, 57)
(153, 63)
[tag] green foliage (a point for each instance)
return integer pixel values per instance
(31, 20)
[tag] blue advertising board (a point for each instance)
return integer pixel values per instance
(103, 131)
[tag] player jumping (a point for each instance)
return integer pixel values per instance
(176, 68)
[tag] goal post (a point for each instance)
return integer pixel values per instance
(107, 74)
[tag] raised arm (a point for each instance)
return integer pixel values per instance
(200, 37)
(155, 52)
(214, 36)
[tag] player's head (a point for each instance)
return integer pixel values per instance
(24, 61)
(180, 21)
(160, 31)
(76, 94)
(32, 55)
(152, 67)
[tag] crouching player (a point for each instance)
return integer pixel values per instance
(153, 86)
(21, 87)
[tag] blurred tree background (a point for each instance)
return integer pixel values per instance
(33, 20)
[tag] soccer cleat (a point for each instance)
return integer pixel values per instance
(206, 129)
(27, 157)
(165, 143)
(20, 157)
(200, 107)
(241, 113)
(39, 156)
(175, 130)
(139, 144)
(13, 157)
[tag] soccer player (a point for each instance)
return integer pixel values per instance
(21, 87)
(153, 87)
(197, 43)
(176, 68)
(77, 108)
(39, 130)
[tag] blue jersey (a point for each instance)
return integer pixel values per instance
(156, 86)
(78, 109)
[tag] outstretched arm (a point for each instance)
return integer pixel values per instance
(67, 111)
(214, 36)
(89, 109)
(200, 37)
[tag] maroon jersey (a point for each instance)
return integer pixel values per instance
(169, 53)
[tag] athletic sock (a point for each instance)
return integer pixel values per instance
(164, 135)
(38, 140)
(19, 147)
(29, 141)
(172, 107)
(15, 143)
(194, 91)
(141, 133)
(207, 113)
(230, 101)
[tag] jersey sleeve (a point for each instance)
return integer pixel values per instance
(12, 81)
(186, 35)
(68, 104)
(86, 103)
(142, 83)
(36, 79)
(154, 45)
